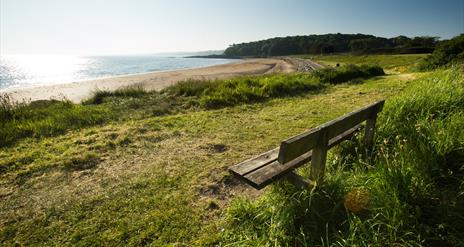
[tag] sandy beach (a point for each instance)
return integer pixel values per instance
(78, 91)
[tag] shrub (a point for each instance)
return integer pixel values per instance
(190, 87)
(446, 53)
(347, 72)
(99, 95)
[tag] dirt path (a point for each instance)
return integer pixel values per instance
(302, 65)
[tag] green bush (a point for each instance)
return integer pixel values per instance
(347, 72)
(446, 53)
(7, 107)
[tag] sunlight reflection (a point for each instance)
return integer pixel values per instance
(51, 68)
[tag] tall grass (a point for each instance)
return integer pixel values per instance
(222, 93)
(99, 95)
(43, 118)
(191, 87)
(412, 189)
(422, 153)
(254, 89)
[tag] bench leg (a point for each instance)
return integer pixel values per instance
(369, 133)
(319, 156)
(299, 181)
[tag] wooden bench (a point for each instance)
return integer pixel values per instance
(308, 146)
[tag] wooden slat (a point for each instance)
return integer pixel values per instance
(260, 178)
(273, 171)
(255, 163)
(348, 121)
(297, 145)
(300, 144)
(344, 136)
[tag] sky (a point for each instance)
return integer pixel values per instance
(102, 27)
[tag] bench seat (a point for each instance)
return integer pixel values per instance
(265, 168)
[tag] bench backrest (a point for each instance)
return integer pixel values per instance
(298, 145)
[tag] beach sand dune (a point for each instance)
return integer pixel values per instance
(78, 91)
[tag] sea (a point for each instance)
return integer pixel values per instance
(20, 71)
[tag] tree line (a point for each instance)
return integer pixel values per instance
(332, 43)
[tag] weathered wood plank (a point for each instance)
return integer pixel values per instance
(260, 178)
(344, 136)
(255, 163)
(348, 121)
(297, 145)
(263, 159)
(370, 129)
(300, 144)
(274, 171)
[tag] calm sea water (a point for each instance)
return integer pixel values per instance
(23, 71)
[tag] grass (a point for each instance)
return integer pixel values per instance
(157, 179)
(393, 63)
(411, 190)
(129, 92)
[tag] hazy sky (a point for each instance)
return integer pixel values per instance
(148, 26)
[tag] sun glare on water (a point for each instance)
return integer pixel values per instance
(38, 69)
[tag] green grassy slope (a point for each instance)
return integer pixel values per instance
(153, 179)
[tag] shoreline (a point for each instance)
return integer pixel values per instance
(6, 90)
(77, 91)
